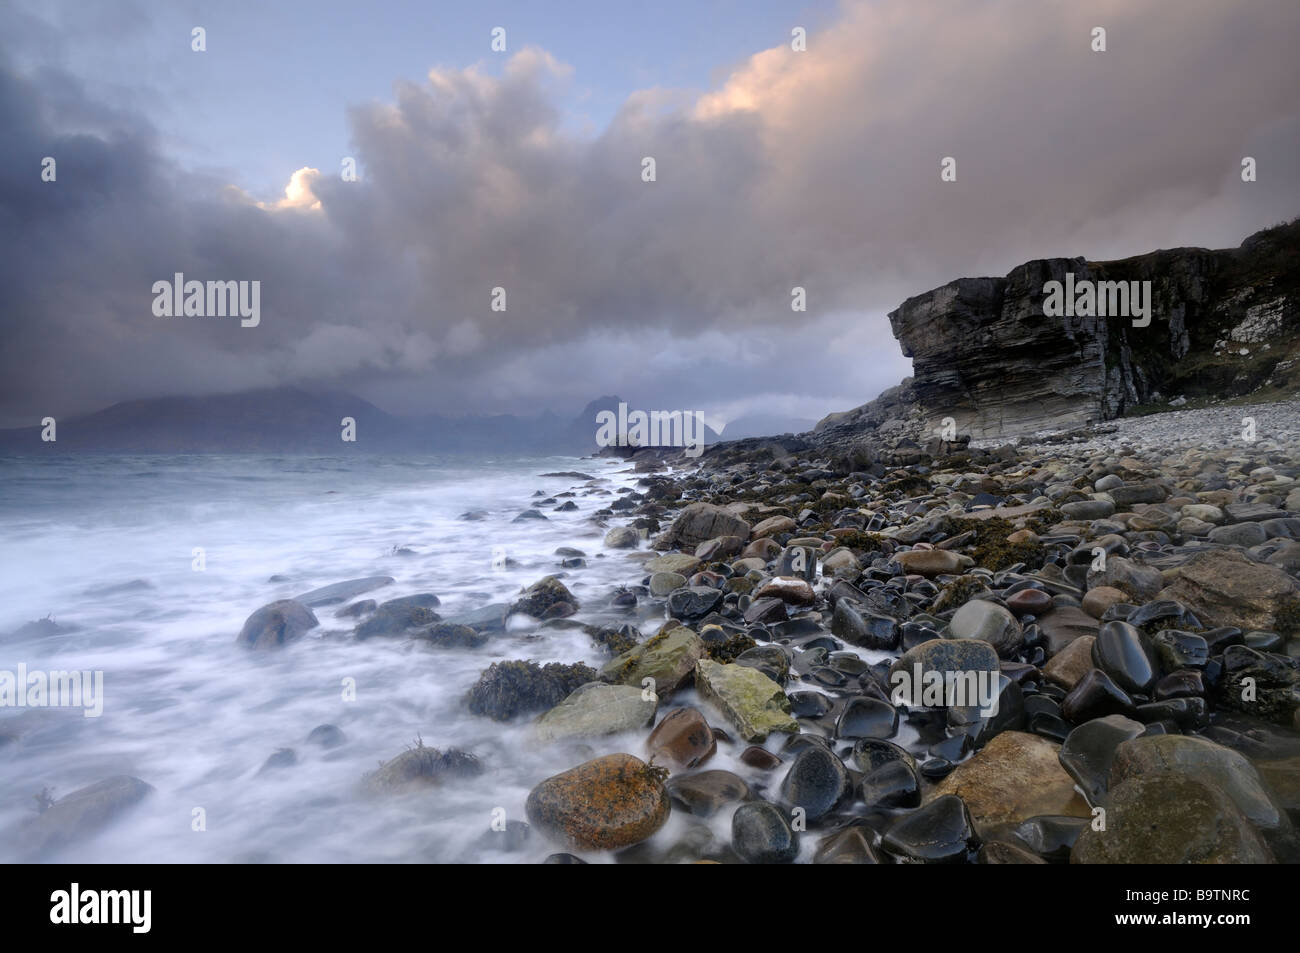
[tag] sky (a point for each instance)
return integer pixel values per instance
(522, 169)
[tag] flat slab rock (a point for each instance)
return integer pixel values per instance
(342, 591)
(753, 703)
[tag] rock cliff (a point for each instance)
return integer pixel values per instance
(1223, 324)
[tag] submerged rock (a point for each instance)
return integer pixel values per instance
(547, 598)
(81, 814)
(420, 767)
(507, 689)
(760, 834)
(277, 624)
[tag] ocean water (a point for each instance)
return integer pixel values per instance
(105, 544)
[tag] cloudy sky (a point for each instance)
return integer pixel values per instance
(522, 169)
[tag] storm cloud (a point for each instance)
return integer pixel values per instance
(817, 169)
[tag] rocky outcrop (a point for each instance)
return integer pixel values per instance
(1222, 324)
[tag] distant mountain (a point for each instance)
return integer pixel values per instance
(292, 420)
(766, 425)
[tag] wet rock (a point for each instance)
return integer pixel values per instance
(816, 782)
(1096, 601)
(761, 834)
(704, 793)
(895, 784)
(857, 625)
(1137, 493)
(1065, 625)
(1141, 583)
(490, 618)
(694, 602)
(988, 622)
(957, 656)
(700, 522)
(399, 616)
(1012, 778)
(357, 609)
(765, 610)
(932, 562)
(1003, 852)
(622, 537)
(607, 803)
(280, 758)
(867, 717)
(1088, 510)
(940, 832)
(1261, 684)
(795, 592)
(1170, 819)
(326, 736)
(848, 846)
(1204, 761)
(1095, 696)
(1071, 664)
(751, 701)
(1089, 750)
(420, 767)
(448, 635)
(772, 660)
(773, 525)
(1238, 534)
(760, 758)
(662, 583)
(277, 624)
(597, 709)
(81, 815)
(668, 658)
(683, 739)
(507, 689)
(546, 598)
(674, 562)
(1051, 837)
(1118, 652)
(341, 591)
(1224, 587)
(1030, 602)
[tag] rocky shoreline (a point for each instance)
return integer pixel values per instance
(1127, 597)
(1137, 601)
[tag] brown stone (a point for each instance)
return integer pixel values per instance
(1030, 602)
(1068, 666)
(604, 804)
(683, 739)
(1014, 777)
(1095, 602)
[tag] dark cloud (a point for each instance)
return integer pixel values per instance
(818, 169)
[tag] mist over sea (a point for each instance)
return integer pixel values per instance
(105, 545)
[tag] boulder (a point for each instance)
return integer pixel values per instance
(276, 624)
(1014, 777)
(753, 703)
(596, 709)
(607, 803)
